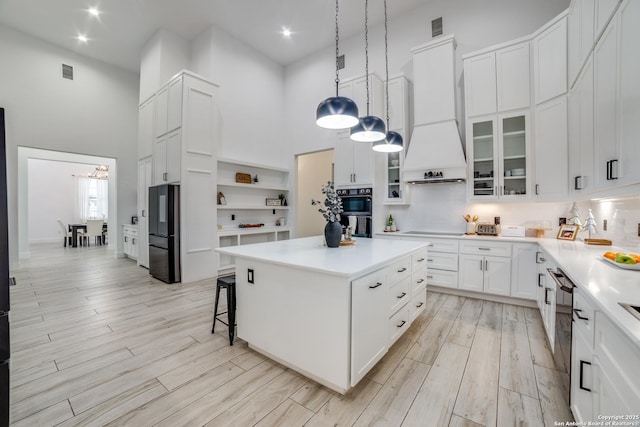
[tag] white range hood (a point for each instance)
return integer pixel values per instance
(435, 150)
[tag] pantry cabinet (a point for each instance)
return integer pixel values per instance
(167, 153)
(146, 134)
(144, 182)
(580, 132)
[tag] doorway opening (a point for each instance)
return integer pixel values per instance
(313, 171)
(47, 190)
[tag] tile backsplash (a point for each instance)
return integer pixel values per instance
(439, 208)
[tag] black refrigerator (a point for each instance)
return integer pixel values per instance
(4, 282)
(164, 232)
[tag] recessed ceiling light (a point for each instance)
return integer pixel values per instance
(82, 38)
(286, 32)
(93, 11)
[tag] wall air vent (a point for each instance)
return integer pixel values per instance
(340, 62)
(436, 27)
(67, 71)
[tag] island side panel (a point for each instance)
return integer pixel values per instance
(299, 317)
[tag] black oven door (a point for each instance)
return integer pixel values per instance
(358, 205)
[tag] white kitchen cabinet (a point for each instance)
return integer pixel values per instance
(629, 91)
(604, 10)
(580, 35)
(499, 149)
(144, 182)
(395, 191)
(442, 262)
(582, 357)
(551, 150)
(480, 84)
(550, 62)
(580, 132)
(146, 134)
(353, 162)
(524, 271)
(512, 77)
(167, 153)
(546, 297)
(498, 80)
(168, 114)
(606, 109)
(369, 338)
(356, 89)
(486, 274)
(130, 241)
(616, 377)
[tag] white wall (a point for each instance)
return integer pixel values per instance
(94, 114)
(251, 98)
(52, 196)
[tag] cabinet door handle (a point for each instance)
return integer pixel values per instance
(539, 258)
(480, 265)
(501, 190)
(486, 265)
(577, 312)
(582, 363)
(133, 241)
(377, 285)
(577, 182)
(401, 324)
(143, 213)
(540, 279)
(421, 259)
(125, 239)
(429, 277)
(495, 190)
(546, 294)
(537, 189)
(614, 173)
(420, 304)
(402, 295)
(420, 281)
(429, 259)
(165, 176)
(484, 249)
(403, 269)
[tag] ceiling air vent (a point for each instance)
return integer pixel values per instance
(340, 62)
(67, 71)
(436, 27)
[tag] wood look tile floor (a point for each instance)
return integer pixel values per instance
(96, 341)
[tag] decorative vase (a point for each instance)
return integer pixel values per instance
(333, 234)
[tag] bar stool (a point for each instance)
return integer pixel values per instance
(228, 283)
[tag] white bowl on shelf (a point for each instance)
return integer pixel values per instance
(395, 162)
(517, 172)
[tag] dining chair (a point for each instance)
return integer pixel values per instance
(94, 229)
(65, 232)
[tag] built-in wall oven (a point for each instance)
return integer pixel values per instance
(358, 203)
(563, 318)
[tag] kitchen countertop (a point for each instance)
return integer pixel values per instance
(460, 236)
(606, 284)
(309, 253)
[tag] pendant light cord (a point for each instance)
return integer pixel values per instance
(386, 60)
(366, 49)
(337, 51)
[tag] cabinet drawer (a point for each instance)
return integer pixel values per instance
(400, 270)
(418, 304)
(442, 261)
(443, 245)
(618, 357)
(398, 324)
(418, 281)
(399, 294)
(419, 259)
(130, 231)
(444, 278)
(486, 248)
(583, 316)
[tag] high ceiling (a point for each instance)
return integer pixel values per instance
(117, 35)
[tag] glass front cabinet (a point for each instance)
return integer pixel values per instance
(498, 149)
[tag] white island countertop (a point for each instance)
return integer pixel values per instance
(607, 284)
(309, 253)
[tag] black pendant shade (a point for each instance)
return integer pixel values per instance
(337, 112)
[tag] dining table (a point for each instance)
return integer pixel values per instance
(74, 232)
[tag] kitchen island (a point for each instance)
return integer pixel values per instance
(328, 313)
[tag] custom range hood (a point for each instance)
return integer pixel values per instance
(435, 151)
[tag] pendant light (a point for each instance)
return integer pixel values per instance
(369, 128)
(392, 143)
(337, 112)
